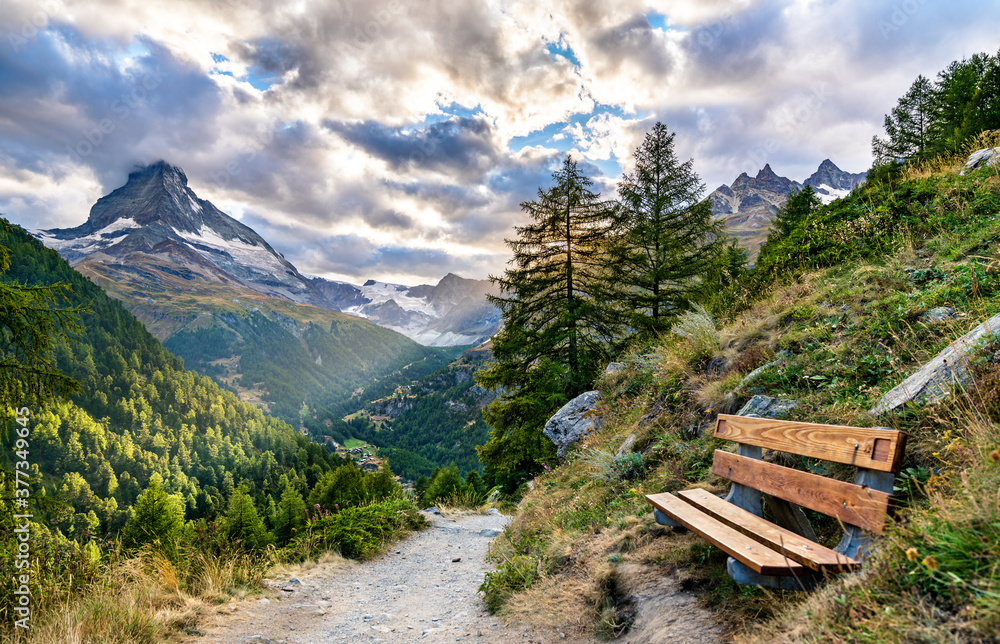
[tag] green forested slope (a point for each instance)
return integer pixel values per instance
(139, 416)
(431, 422)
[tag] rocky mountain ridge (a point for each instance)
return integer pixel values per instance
(750, 204)
(153, 235)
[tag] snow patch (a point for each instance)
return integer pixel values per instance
(827, 193)
(380, 292)
(250, 255)
(97, 240)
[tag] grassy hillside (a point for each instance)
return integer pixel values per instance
(837, 314)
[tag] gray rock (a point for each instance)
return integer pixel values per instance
(494, 512)
(614, 367)
(982, 159)
(573, 421)
(626, 447)
(935, 380)
(295, 581)
(487, 532)
(938, 314)
(767, 407)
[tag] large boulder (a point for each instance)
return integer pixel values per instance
(573, 421)
(981, 159)
(937, 378)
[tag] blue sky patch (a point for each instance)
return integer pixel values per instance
(657, 21)
(562, 49)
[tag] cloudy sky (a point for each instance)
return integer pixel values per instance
(394, 140)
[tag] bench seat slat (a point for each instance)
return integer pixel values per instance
(739, 546)
(852, 504)
(875, 449)
(796, 547)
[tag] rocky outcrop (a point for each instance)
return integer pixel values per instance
(573, 421)
(938, 314)
(767, 407)
(937, 378)
(982, 159)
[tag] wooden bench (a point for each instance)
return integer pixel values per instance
(787, 556)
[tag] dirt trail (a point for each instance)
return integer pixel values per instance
(423, 590)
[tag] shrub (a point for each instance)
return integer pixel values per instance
(519, 573)
(356, 532)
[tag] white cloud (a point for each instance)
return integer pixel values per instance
(358, 90)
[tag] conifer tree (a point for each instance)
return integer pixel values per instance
(32, 325)
(907, 126)
(667, 241)
(242, 525)
(785, 244)
(953, 94)
(290, 515)
(983, 111)
(157, 518)
(558, 326)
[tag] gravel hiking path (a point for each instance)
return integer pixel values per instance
(422, 590)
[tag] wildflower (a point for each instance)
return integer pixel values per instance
(930, 563)
(912, 554)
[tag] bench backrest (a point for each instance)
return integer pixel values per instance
(876, 449)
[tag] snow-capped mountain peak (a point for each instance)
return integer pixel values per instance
(156, 214)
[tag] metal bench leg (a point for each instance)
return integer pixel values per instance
(663, 519)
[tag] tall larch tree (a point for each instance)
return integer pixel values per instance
(666, 239)
(558, 327)
(907, 127)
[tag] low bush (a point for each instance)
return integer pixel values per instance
(356, 532)
(517, 573)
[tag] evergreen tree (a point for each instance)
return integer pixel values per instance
(32, 325)
(953, 95)
(475, 486)
(157, 518)
(242, 525)
(794, 211)
(907, 126)
(667, 241)
(557, 325)
(983, 111)
(445, 486)
(382, 484)
(784, 243)
(290, 515)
